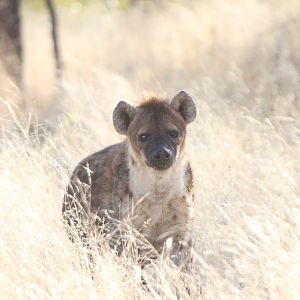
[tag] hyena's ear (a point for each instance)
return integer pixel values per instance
(184, 104)
(122, 116)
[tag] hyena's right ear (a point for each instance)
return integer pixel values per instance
(184, 104)
(122, 116)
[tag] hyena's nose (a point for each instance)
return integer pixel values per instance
(161, 153)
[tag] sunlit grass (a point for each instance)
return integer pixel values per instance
(241, 63)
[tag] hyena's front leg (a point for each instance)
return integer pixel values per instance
(181, 249)
(181, 254)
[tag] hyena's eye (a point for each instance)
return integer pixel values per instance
(173, 134)
(142, 138)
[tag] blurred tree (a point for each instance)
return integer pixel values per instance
(58, 61)
(11, 42)
(10, 39)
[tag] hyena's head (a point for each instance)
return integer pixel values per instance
(156, 129)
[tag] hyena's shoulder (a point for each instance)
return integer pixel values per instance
(93, 181)
(189, 179)
(100, 162)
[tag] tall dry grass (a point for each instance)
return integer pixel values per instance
(241, 62)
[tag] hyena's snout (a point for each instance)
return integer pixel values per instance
(161, 157)
(162, 153)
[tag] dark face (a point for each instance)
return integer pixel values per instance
(157, 135)
(156, 129)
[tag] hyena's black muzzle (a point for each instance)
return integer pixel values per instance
(161, 156)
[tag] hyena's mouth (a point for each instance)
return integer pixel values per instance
(162, 165)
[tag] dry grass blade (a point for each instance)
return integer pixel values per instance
(241, 61)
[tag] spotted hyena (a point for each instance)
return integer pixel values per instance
(145, 180)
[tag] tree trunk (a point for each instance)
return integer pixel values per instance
(10, 40)
(57, 56)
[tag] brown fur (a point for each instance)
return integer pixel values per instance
(117, 182)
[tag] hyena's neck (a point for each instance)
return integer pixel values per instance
(160, 185)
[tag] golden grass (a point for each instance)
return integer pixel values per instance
(241, 62)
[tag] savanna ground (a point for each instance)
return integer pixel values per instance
(241, 62)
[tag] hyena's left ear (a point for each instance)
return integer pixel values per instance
(123, 114)
(184, 104)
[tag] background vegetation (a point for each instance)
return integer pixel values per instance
(241, 62)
